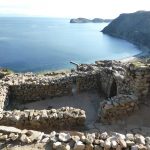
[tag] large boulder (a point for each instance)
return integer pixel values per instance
(64, 137)
(6, 129)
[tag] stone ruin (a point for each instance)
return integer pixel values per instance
(125, 87)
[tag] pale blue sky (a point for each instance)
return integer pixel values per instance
(72, 8)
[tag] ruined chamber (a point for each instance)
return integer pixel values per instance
(87, 98)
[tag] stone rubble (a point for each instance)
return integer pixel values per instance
(125, 87)
(65, 140)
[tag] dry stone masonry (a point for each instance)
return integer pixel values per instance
(37, 87)
(4, 96)
(109, 77)
(125, 87)
(65, 118)
(139, 74)
(112, 78)
(116, 107)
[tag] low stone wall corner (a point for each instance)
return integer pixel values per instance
(117, 107)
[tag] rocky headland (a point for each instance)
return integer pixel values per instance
(85, 20)
(133, 27)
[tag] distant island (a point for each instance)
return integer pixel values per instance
(85, 20)
(133, 27)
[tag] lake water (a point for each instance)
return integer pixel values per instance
(40, 44)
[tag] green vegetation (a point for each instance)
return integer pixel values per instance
(138, 63)
(6, 71)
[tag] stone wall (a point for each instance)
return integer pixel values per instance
(140, 80)
(4, 96)
(87, 81)
(127, 85)
(102, 75)
(25, 88)
(10, 136)
(117, 107)
(113, 73)
(44, 120)
(110, 77)
(129, 78)
(33, 92)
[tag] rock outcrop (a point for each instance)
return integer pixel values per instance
(133, 27)
(84, 20)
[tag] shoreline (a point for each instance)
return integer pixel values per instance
(145, 53)
(142, 56)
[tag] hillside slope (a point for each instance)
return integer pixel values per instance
(134, 27)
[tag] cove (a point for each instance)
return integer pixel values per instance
(42, 44)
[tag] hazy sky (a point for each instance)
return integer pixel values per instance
(72, 8)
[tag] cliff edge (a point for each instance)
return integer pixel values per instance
(133, 27)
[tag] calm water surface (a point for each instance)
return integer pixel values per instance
(40, 44)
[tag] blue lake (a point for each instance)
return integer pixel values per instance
(41, 44)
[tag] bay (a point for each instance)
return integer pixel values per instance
(42, 44)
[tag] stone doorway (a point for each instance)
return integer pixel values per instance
(113, 89)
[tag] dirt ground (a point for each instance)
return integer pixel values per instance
(38, 146)
(88, 101)
(139, 121)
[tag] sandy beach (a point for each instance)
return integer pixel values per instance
(142, 56)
